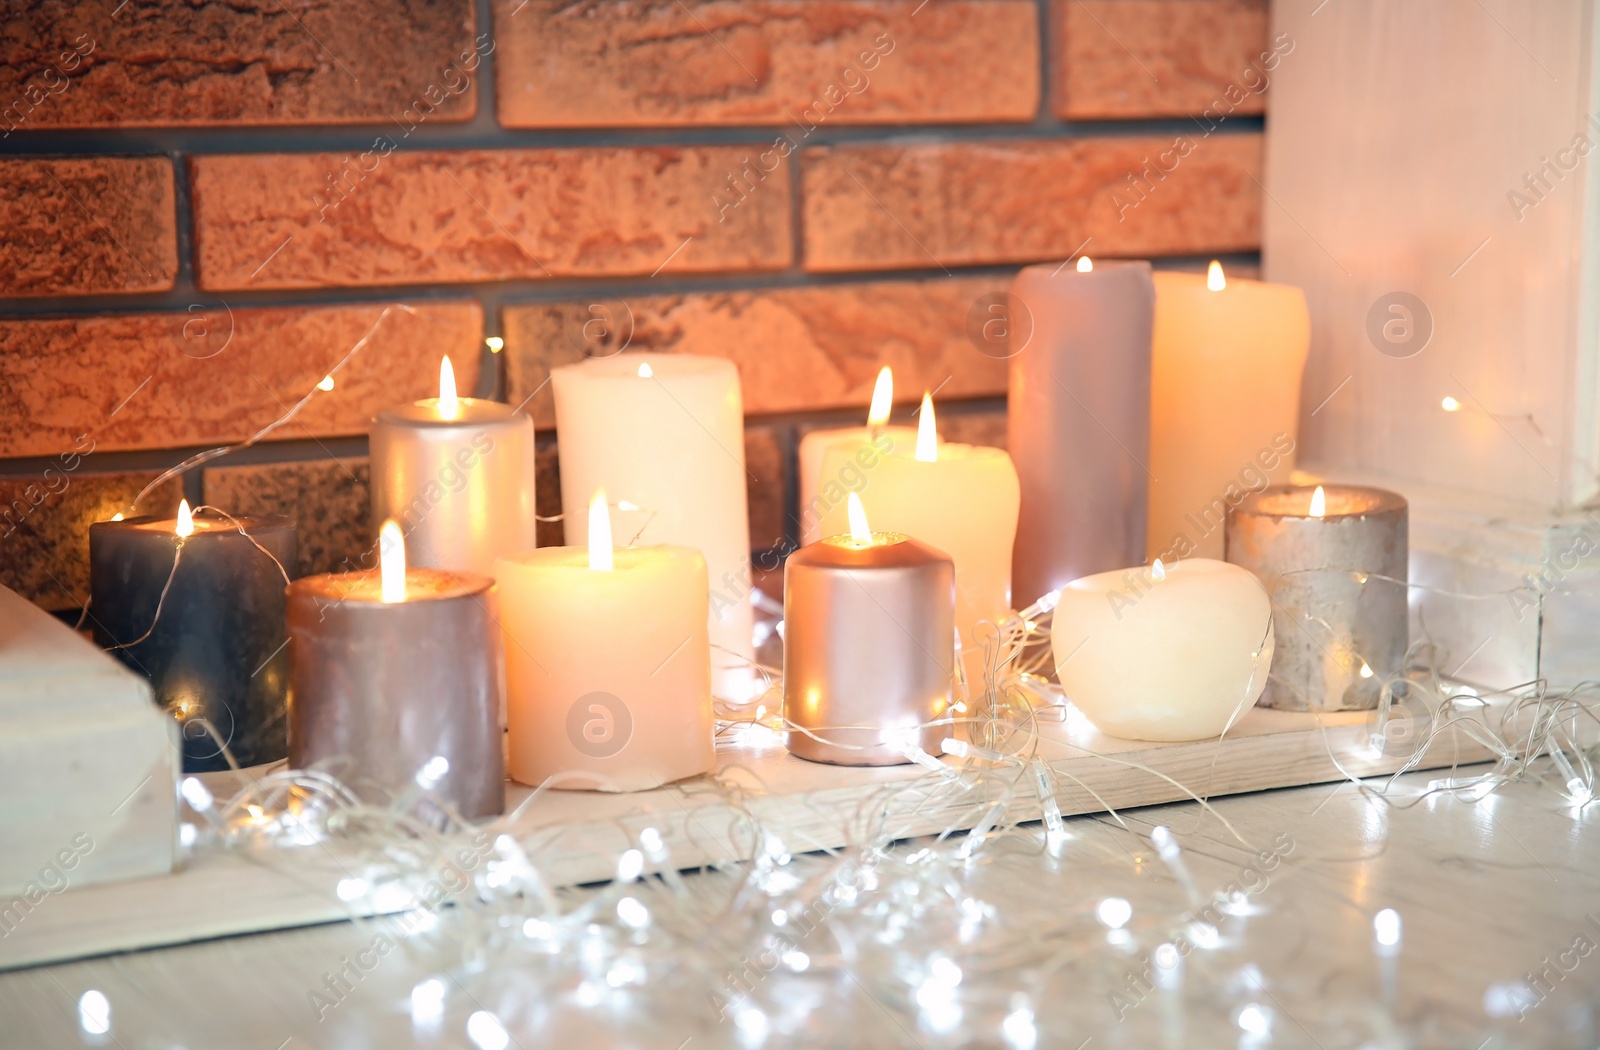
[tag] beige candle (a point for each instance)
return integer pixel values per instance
(859, 449)
(608, 663)
(1227, 356)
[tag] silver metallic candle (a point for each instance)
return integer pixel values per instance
(1341, 629)
(380, 688)
(1079, 411)
(868, 643)
(457, 473)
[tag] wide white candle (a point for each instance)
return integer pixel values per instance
(608, 665)
(960, 499)
(1226, 360)
(860, 446)
(457, 473)
(1169, 652)
(664, 435)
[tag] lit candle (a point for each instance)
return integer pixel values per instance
(1333, 559)
(1169, 652)
(608, 662)
(1079, 421)
(664, 435)
(959, 499)
(861, 448)
(214, 650)
(1225, 400)
(868, 648)
(396, 681)
(457, 473)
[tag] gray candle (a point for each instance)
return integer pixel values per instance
(1330, 568)
(1079, 430)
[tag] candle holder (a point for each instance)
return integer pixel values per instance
(868, 649)
(1336, 573)
(201, 616)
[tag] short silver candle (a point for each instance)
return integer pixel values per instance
(868, 648)
(1337, 584)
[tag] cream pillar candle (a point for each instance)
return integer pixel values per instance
(820, 494)
(608, 666)
(1227, 355)
(1079, 421)
(664, 435)
(1176, 652)
(960, 499)
(457, 473)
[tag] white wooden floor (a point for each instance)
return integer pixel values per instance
(1487, 892)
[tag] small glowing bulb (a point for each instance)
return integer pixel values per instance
(1319, 503)
(257, 814)
(326, 384)
(1085, 264)
(927, 433)
(94, 1012)
(392, 562)
(117, 516)
(495, 344)
(1214, 279)
(1450, 404)
(449, 406)
(1114, 912)
(599, 532)
(185, 526)
(1157, 570)
(882, 398)
(645, 371)
(858, 520)
(1386, 928)
(1366, 671)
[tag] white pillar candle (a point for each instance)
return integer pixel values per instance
(1226, 360)
(960, 499)
(820, 494)
(608, 665)
(664, 435)
(457, 473)
(1175, 652)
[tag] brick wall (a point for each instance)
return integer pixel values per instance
(205, 206)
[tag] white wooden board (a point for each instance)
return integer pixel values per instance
(576, 837)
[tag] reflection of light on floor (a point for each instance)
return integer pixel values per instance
(1374, 821)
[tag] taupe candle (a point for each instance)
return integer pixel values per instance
(381, 688)
(868, 647)
(1341, 629)
(1079, 430)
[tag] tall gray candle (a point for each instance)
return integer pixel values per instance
(1079, 431)
(1330, 558)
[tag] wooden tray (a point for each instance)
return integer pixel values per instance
(576, 837)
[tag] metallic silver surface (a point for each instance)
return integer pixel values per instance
(868, 641)
(461, 490)
(1330, 611)
(377, 690)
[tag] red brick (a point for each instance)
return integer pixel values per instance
(1150, 58)
(271, 221)
(45, 518)
(959, 204)
(164, 62)
(86, 226)
(145, 380)
(798, 349)
(648, 63)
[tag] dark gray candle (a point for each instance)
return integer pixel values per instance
(215, 655)
(1079, 431)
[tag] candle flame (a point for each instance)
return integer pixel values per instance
(882, 398)
(185, 525)
(1214, 279)
(645, 371)
(1085, 264)
(1450, 404)
(1157, 570)
(1319, 503)
(449, 407)
(392, 562)
(927, 433)
(599, 532)
(858, 520)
